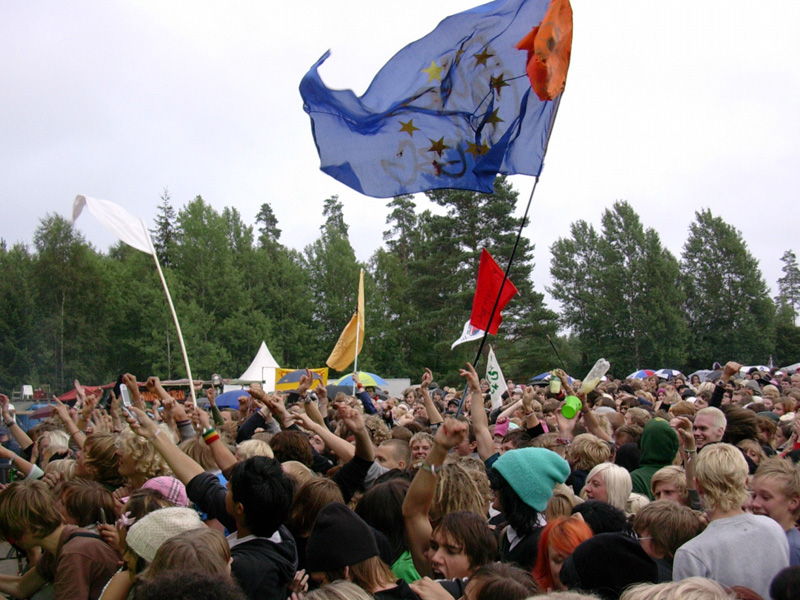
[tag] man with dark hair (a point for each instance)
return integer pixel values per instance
(255, 507)
(79, 563)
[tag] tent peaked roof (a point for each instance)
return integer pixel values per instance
(257, 369)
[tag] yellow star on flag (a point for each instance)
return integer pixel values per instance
(438, 146)
(496, 83)
(482, 57)
(476, 150)
(408, 127)
(433, 72)
(493, 118)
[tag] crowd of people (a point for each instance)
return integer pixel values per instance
(654, 488)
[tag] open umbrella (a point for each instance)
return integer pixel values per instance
(230, 399)
(791, 369)
(668, 373)
(545, 377)
(367, 379)
(641, 374)
(702, 374)
(291, 380)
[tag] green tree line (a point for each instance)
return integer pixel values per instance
(68, 310)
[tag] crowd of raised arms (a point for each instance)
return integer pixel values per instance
(655, 489)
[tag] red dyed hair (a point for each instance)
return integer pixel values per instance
(563, 535)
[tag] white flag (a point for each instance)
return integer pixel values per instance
(497, 383)
(117, 220)
(469, 334)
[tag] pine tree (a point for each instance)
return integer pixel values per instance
(727, 305)
(164, 231)
(789, 285)
(268, 225)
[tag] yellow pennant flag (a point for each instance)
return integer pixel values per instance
(352, 338)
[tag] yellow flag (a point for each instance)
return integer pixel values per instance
(345, 351)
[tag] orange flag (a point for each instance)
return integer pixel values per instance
(549, 46)
(352, 338)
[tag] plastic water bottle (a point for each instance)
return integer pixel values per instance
(590, 382)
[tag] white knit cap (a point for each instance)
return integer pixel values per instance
(148, 533)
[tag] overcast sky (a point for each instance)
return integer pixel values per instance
(672, 106)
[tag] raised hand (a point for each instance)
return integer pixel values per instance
(472, 378)
(451, 433)
(130, 382)
(61, 410)
(427, 378)
(352, 419)
(306, 379)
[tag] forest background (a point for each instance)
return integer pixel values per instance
(68, 310)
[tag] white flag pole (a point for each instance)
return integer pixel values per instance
(355, 361)
(174, 315)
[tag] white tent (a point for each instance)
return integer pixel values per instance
(262, 368)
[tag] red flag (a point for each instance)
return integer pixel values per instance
(549, 47)
(490, 276)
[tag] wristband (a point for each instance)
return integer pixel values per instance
(429, 468)
(155, 435)
(210, 436)
(530, 414)
(10, 423)
(563, 441)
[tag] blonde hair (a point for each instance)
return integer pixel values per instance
(639, 416)
(749, 444)
(65, 466)
(721, 473)
(377, 428)
(59, 441)
(550, 441)
(456, 490)
(250, 448)
(618, 483)
(338, 590)
(587, 451)
(692, 588)
(718, 418)
(635, 503)
(477, 468)
(149, 463)
(196, 449)
(561, 503)
(671, 474)
(784, 473)
(297, 471)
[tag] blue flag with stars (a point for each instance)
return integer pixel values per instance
(451, 110)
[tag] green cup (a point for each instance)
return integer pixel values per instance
(571, 407)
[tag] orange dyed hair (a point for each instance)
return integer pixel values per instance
(563, 535)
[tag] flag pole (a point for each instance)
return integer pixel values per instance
(174, 315)
(511, 260)
(358, 332)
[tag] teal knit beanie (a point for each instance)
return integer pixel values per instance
(532, 473)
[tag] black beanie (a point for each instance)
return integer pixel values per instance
(338, 539)
(608, 563)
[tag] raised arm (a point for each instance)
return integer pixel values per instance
(418, 500)
(183, 467)
(341, 448)
(477, 413)
(22, 438)
(434, 416)
(72, 429)
(590, 419)
(222, 456)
